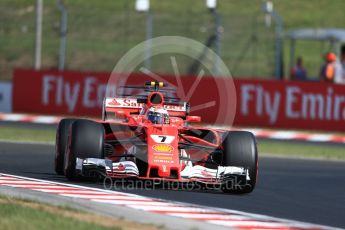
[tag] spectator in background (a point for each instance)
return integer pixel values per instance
(343, 61)
(298, 72)
(331, 70)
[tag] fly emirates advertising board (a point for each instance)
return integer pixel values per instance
(267, 103)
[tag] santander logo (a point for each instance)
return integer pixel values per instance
(114, 102)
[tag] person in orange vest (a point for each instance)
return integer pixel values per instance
(331, 70)
(298, 72)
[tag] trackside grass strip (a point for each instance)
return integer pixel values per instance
(28, 215)
(269, 147)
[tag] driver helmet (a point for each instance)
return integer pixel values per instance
(158, 115)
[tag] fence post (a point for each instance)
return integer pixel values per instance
(38, 39)
(63, 34)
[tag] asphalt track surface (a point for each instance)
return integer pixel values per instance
(305, 190)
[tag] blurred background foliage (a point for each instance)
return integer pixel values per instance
(101, 32)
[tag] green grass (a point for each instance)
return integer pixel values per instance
(271, 147)
(27, 134)
(301, 149)
(100, 32)
(19, 214)
(28, 214)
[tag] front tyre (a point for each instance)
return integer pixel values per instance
(239, 149)
(86, 140)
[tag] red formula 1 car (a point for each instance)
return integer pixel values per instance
(152, 137)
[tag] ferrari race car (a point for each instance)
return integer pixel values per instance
(152, 137)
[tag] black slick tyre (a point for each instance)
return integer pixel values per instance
(60, 144)
(86, 140)
(239, 149)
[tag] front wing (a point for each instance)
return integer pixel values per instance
(128, 169)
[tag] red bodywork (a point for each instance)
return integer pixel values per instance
(124, 118)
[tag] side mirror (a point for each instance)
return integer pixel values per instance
(193, 119)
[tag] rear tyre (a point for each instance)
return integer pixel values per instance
(239, 149)
(60, 144)
(86, 140)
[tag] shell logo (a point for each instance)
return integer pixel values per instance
(163, 148)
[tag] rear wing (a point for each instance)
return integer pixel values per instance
(132, 106)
